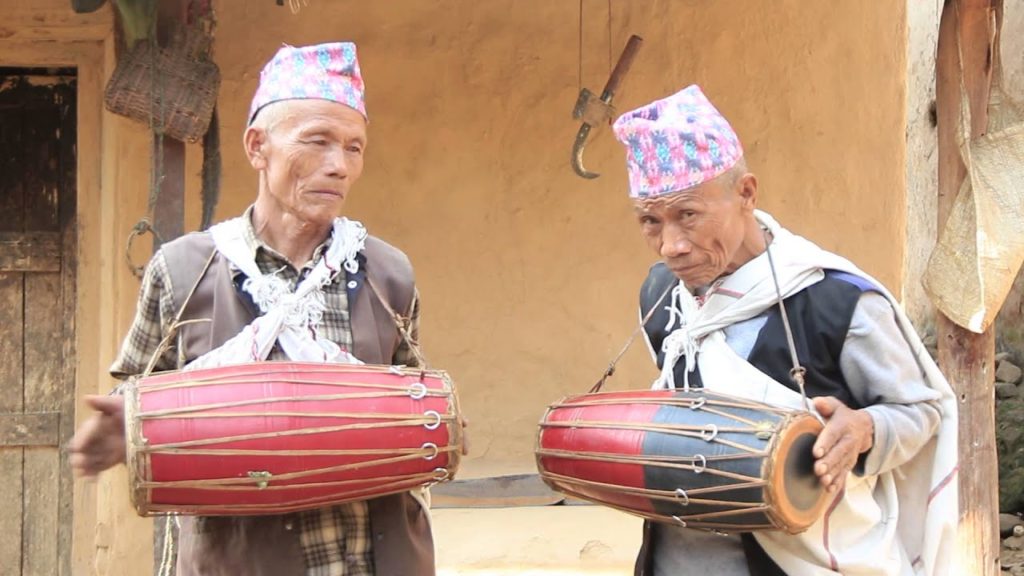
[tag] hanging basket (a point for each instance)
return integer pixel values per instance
(179, 100)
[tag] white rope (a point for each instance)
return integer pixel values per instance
(679, 343)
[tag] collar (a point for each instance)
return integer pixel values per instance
(255, 244)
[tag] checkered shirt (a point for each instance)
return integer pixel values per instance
(335, 540)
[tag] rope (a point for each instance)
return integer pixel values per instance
(401, 322)
(629, 342)
(798, 371)
(141, 227)
(579, 52)
(609, 38)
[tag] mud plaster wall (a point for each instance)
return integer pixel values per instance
(529, 274)
(922, 157)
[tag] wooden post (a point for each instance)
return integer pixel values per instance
(169, 223)
(169, 210)
(966, 358)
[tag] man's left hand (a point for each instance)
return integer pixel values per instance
(848, 433)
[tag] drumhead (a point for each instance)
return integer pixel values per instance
(795, 496)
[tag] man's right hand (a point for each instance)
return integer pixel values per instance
(100, 442)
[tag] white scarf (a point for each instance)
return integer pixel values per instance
(291, 318)
(921, 495)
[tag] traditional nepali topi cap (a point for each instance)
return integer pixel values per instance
(324, 72)
(676, 143)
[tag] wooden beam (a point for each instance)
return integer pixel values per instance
(30, 21)
(169, 210)
(168, 222)
(30, 252)
(39, 429)
(966, 358)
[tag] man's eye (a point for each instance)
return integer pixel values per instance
(355, 149)
(648, 220)
(688, 213)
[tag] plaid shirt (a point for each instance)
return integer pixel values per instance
(335, 540)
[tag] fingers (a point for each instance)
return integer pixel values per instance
(827, 405)
(109, 405)
(846, 435)
(99, 442)
(836, 464)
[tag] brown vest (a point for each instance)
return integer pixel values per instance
(269, 545)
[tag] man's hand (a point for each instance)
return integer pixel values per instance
(100, 442)
(848, 433)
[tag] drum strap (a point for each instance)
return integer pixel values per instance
(798, 371)
(403, 323)
(643, 322)
(178, 323)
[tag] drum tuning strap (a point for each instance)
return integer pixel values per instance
(401, 322)
(172, 333)
(611, 365)
(797, 372)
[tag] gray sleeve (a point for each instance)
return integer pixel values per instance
(884, 376)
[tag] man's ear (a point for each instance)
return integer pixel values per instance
(747, 189)
(254, 140)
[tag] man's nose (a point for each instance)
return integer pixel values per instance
(674, 243)
(336, 162)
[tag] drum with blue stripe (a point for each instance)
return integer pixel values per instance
(692, 458)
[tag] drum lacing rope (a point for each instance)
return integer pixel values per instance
(798, 371)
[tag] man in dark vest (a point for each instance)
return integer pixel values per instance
(289, 279)
(887, 455)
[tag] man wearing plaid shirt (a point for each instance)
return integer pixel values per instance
(306, 138)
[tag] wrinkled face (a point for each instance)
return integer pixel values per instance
(699, 233)
(310, 153)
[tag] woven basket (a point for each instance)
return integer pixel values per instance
(179, 101)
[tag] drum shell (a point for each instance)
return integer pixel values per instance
(730, 465)
(277, 437)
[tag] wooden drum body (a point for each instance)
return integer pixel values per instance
(691, 458)
(277, 437)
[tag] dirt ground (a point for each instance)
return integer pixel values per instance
(537, 541)
(532, 541)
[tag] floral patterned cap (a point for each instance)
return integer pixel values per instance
(676, 143)
(324, 71)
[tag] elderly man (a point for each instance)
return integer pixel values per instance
(306, 138)
(887, 454)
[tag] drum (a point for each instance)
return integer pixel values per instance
(277, 437)
(692, 458)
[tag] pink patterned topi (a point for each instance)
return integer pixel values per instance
(324, 72)
(676, 143)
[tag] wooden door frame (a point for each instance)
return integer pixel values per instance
(87, 46)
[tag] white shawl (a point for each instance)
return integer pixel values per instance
(291, 318)
(901, 522)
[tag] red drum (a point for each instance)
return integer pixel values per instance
(691, 458)
(277, 437)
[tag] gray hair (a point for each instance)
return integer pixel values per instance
(271, 115)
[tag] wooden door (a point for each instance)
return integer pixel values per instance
(37, 312)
